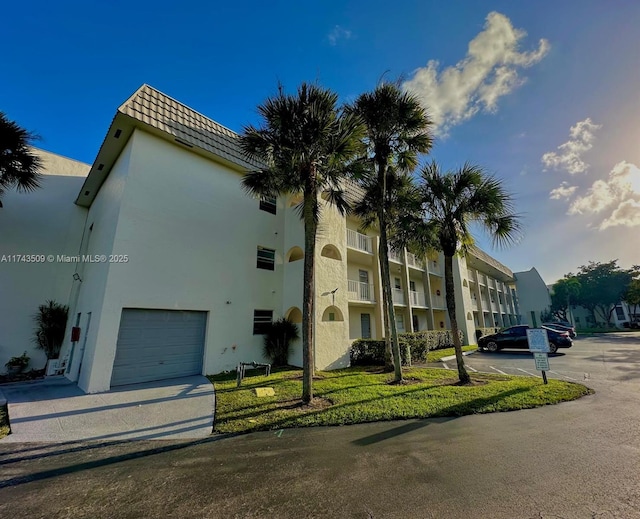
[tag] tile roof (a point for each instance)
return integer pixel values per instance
(164, 113)
(481, 255)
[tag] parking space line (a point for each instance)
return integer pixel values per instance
(498, 370)
(561, 375)
(472, 369)
(527, 372)
(445, 365)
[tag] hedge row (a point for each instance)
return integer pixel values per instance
(413, 347)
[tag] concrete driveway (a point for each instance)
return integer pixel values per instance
(58, 411)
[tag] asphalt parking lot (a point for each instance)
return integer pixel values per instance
(603, 357)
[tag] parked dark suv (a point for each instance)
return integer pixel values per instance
(516, 337)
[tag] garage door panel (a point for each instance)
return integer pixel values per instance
(158, 344)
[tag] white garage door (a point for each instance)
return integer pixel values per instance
(158, 344)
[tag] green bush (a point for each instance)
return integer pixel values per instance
(416, 345)
(278, 339)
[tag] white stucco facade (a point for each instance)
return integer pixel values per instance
(164, 205)
(46, 223)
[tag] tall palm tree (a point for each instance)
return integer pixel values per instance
(451, 202)
(398, 129)
(305, 144)
(19, 167)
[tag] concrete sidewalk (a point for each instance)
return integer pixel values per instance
(56, 410)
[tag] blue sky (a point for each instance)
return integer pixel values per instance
(543, 94)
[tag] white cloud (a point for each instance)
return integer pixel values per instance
(488, 72)
(569, 156)
(619, 194)
(564, 190)
(338, 33)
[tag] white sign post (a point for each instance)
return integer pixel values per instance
(539, 346)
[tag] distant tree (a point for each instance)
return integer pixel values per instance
(451, 202)
(564, 294)
(305, 143)
(602, 287)
(19, 167)
(632, 296)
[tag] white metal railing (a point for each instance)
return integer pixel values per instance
(398, 296)
(395, 256)
(437, 301)
(482, 279)
(471, 275)
(435, 268)
(359, 241)
(359, 291)
(474, 304)
(417, 298)
(413, 261)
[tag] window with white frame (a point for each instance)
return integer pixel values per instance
(261, 321)
(266, 258)
(268, 204)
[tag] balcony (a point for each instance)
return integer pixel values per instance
(474, 304)
(482, 279)
(359, 241)
(471, 275)
(359, 291)
(417, 298)
(394, 256)
(398, 296)
(435, 268)
(414, 262)
(437, 301)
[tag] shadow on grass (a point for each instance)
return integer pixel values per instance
(447, 414)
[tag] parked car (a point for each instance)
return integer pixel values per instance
(516, 337)
(562, 326)
(635, 323)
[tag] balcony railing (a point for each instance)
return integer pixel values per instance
(437, 301)
(398, 296)
(482, 279)
(474, 304)
(413, 261)
(417, 298)
(394, 256)
(359, 291)
(358, 241)
(471, 275)
(435, 268)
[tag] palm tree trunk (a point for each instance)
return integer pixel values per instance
(387, 296)
(451, 309)
(308, 296)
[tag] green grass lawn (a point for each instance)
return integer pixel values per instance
(358, 395)
(4, 421)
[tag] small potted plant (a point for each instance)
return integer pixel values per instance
(18, 364)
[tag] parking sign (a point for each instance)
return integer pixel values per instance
(538, 340)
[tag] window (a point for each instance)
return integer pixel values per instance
(363, 275)
(412, 286)
(266, 258)
(261, 321)
(619, 313)
(400, 322)
(397, 283)
(416, 323)
(365, 326)
(268, 204)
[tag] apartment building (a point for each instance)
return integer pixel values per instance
(190, 268)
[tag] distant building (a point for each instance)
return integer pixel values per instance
(533, 296)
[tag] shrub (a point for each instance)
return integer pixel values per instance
(18, 364)
(278, 339)
(416, 345)
(51, 321)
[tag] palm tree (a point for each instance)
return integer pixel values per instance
(305, 143)
(19, 167)
(398, 129)
(451, 202)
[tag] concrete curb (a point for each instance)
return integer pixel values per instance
(452, 357)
